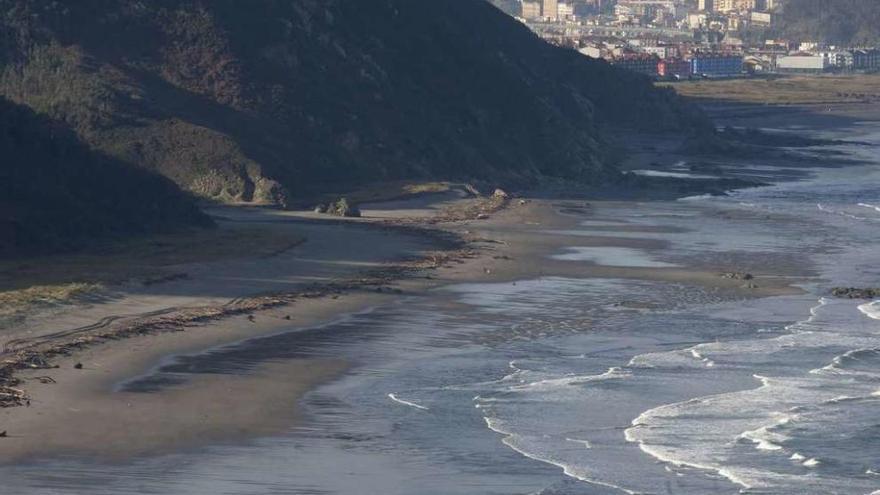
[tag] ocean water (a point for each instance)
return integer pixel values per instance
(580, 386)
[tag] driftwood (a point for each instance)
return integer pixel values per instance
(37, 355)
(10, 396)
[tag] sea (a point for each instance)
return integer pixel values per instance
(560, 385)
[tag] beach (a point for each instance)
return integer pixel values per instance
(552, 345)
(70, 414)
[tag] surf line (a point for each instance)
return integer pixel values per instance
(407, 403)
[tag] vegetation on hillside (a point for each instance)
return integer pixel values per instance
(841, 22)
(269, 100)
(787, 90)
(55, 192)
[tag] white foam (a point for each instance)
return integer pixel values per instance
(813, 462)
(671, 175)
(841, 213)
(696, 354)
(510, 440)
(700, 197)
(643, 421)
(868, 205)
(659, 454)
(763, 438)
(838, 365)
(871, 310)
(765, 382)
(551, 383)
(407, 403)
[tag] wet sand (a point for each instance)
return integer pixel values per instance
(81, 411)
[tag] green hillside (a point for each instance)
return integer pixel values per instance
(268, 101)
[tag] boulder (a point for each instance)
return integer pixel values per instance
(343, 208)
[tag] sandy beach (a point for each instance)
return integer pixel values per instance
(81, 411)
(75, 399)
(556, 338)
(499, 247)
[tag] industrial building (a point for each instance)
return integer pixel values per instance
(802, 63)
(674, 68)
(638, 62)
(717, 64)
(866, 59)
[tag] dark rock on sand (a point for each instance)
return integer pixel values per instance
(343, 208)
(856, 293)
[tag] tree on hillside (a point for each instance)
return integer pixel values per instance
(841, 22)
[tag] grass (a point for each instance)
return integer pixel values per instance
(389, 191)
(12, 302)
(27, 283)
(786, 90)
(427, 187)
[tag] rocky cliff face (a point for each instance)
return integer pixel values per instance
(268, 100)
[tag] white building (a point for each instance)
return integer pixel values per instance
(565, 11)
(530, 10)
(661, 51)
(802, 63)
(839, 59)
(761, 18)
(591, 51)
(808, 46)
(696, 21)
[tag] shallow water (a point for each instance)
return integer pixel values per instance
(566, 386)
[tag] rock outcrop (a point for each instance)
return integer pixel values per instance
(856, 293)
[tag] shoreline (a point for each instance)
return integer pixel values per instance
(512, 245)
(476, 243)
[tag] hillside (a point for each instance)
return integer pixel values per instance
(842, 22)
(56, 192)
(268, 101)
(509, 7)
